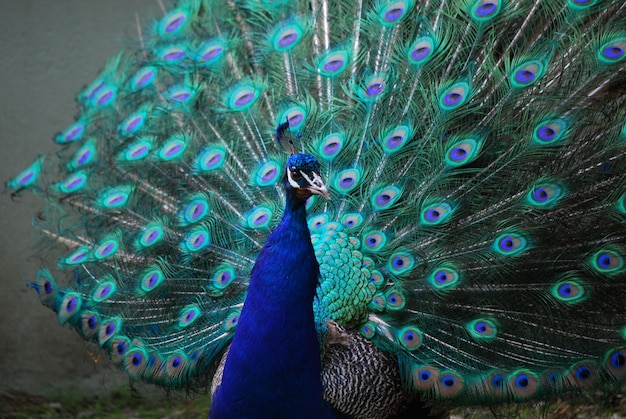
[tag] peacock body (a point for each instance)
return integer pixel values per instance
(473, 247)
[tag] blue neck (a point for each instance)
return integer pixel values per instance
(273, 368)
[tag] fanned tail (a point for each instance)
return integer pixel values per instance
(476, 156)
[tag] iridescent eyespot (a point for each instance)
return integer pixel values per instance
(173, 23)
(510, 244)
(260, 217)
(613, 51)
(243, 97)
(454, 96)
(484, 10)
(73, 133)
(527, 73)
(393, 12)
(223, 276)
(143, 78)
(151, 279)
(410, 338)
(287, 37)
(549, 131)
(332, 63)
(196, 240)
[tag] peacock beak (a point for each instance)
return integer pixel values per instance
(320, 190)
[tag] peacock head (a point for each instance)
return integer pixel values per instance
(302, 177)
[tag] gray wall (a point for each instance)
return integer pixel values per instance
(49, 50)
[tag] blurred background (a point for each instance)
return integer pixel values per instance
(49, 51)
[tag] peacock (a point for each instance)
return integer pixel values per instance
(335, 209)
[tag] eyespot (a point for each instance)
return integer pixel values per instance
(422, 50)
(151, 280)
(107, 248)
(396, 139)
(569, 291)
(196, 240)
(143, 78)
(318, 221)
(195, 210)
(615, 363)
(104, 291)
(410, 338)
(73, 133)
(89, 324)
(463, 152)
(189, 315)
(549, 131)
(172, 54)
(287, 37)
(28, 176)
(179, 94)
(172, 149)
(347, 180)
(484, 10)
(330, 146)
(400, 263)
(176, 364)
(454, 96)
(210, 52)
(296, 115)
(393, 13)
(211, 158)
(436, 214)
(231, 321)
(173, 23)
(268, 174)
(527, 73)
(374, 87)
(108, 329)
(77, 257)
(581, 4)
(260, 217)
(136, 151)
(136, 362)
(544, 195)
(152, 235)
(243, 97)
(385, 198)
(523, 384)
(377, 278)
(133, 123)
(482, 329)
(83, 156)
(224, 276)
(333, 63)
(450, 384)
(444, 277)
(607, 261)
(374, 241)
(70, 305)
(612, 51)
(425, 378)
(394, 300)
(104, 97)
(368, 330)
(74, 182)
(510, 244)
(352, 220)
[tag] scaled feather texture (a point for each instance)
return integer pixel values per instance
(473, 249)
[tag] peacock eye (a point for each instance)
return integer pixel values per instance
(295, 174)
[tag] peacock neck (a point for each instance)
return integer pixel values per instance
(273, 368)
